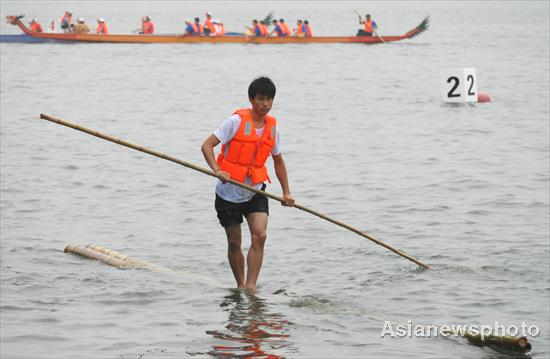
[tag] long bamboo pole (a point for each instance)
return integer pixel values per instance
(210, 173)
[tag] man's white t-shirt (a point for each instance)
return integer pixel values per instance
(225, 133)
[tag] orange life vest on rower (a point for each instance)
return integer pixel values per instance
(208, 24)
(102, 28)
(67, 18)
(263, 29)
(200, 28)
(248, 152)
(309, 31)
(147, 27)
(36, 27)
(368, 26)
(286, 28)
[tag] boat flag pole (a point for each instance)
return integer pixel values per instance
(210, 173)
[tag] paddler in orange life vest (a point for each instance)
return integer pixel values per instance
(248, 138)
(284, 26)
(263, 28)
(65, 22)
(102, 27)
(308, 32)
(35, 26)
(209, 25)
(370, 26)
(299, 30)
(191, 29)
(147, 27)
(278, 30)
(199, 26)
(255, 30)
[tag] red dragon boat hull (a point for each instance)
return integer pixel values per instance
(184, 39)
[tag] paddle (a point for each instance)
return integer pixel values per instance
(210, 173)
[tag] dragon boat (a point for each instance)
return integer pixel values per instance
(233, 38)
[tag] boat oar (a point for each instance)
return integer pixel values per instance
(380, 37)
(210, 173)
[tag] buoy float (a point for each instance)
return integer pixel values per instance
(483, 97)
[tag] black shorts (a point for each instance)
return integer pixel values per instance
(230, 213)
(362, 32)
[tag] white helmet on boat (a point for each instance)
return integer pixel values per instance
(80, 19)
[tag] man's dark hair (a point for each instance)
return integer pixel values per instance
(197, 19)
(261, 86)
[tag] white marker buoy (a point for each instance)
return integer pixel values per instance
(459, 85)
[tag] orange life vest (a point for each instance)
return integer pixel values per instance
(247, 152)
(263, 29)
(208, 24)
(286, 28)
(309, 32)
(102, 28)
(67, 18)
(368, 25)
(148, 27)
(200, 28)
(299, 30)
(36, 27)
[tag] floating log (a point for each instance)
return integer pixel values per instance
(89, 253)
(123, 261)
(507, 342)
(129, 262)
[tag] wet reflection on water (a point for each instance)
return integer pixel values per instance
(253, 331)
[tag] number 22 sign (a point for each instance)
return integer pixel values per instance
(459, 85)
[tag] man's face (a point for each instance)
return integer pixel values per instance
(261, 104)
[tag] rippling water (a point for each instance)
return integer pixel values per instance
(366, 140)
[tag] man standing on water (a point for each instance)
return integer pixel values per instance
(248, 137)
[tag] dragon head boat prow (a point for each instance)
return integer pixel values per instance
(10, 19)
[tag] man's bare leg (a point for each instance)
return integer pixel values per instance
(257, 223)
(234, 253)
